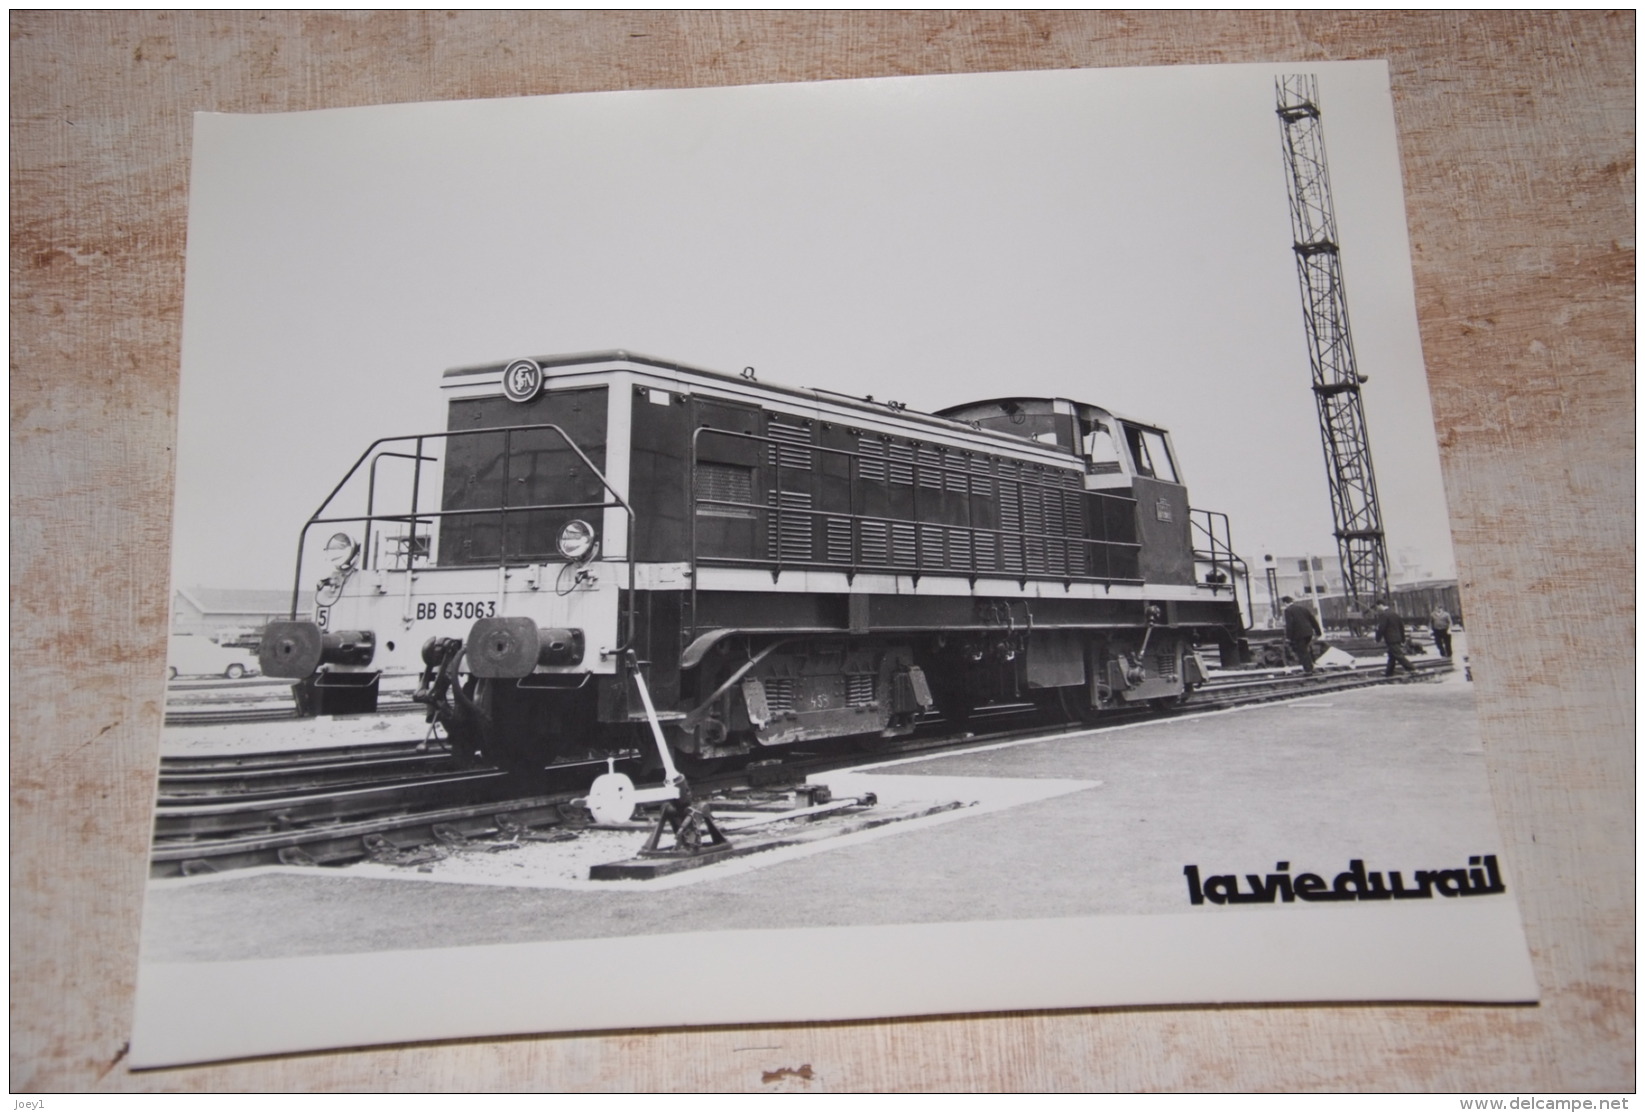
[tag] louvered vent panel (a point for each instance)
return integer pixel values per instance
(1033, 523)
(930, 461)
(837, 537)
(1073, 508)
(1010, 537)
(793, 541)
(859, 690)
(1010, 506)
(982, 476)
(987, 546)
(932, 557)
(876, 543)
(793, 447)
(902, 545)
(1055, 524)
(1056, 530)
(870, 460)
(779, 694)
(902, 464)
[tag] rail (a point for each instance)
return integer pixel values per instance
(416, 517)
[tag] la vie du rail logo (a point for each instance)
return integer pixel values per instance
(1479, 878)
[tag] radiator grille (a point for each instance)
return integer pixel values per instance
(725, 483)
(859, 690)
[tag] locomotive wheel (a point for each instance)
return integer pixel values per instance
(1077, 706)
(462, 735)
(464, 754)
(694, 766)
(522, 731)
(1171, 703)
(956, 700)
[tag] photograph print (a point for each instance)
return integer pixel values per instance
(806, 552)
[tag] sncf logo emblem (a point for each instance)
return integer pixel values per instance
(522, 379)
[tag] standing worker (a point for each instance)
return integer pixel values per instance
(1440, 623)
(1301, 628)
(1391, 633)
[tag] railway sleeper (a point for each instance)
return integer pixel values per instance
(385, 852)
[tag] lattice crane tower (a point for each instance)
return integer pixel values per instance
(1361, 545)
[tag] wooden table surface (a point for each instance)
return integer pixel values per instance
(1516, 132)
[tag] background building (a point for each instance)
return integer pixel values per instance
(230, 615)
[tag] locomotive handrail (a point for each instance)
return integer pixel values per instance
(371, 490)
(777, 512)
(1220, 554)
(415, 516)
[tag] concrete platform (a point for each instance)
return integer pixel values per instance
(1097, 823)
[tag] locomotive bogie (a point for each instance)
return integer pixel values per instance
(786, 692)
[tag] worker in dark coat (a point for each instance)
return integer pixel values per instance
(1391, 633)
(1301, 628)
(1440, 623)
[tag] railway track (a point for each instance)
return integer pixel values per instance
(285, 709)
(183, 781)
(392, 802)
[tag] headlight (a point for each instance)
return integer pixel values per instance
(340, 550)
(576, 539)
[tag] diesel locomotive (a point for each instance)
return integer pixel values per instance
(607, 553)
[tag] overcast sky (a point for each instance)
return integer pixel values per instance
(1116, 236)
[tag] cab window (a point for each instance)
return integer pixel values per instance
(1149, 453)
(1098, 444)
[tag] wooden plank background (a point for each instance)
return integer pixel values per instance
(1516, 132)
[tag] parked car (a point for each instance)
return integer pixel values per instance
(192, 655)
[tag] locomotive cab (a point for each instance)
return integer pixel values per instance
(1118, 455)
(1178, 546)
